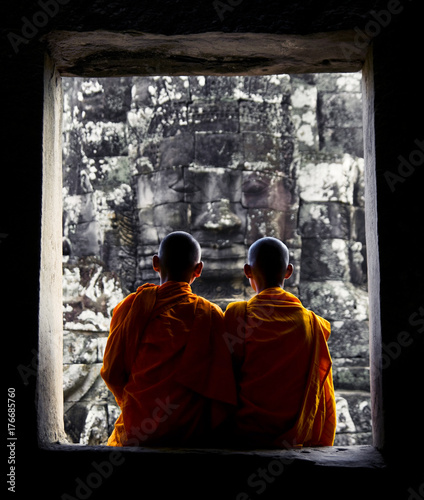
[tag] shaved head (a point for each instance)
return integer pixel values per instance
(270, 257)
(179, 252)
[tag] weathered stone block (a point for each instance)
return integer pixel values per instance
(138, 123)
(266, 152)
(266, 190)
(168, 119)
(211, 184)
(214, 87)
(149, 250)
(271, 88)
(304, 113)
(105, 99)
(325, 259)
(75, 415)
(149, 155)
(357, 257)
(86, 207)
(111, 173)
(353, 418)
(146, 276)
(89, 293)
(264, 118)
(145, 262)
(306, 134)
(170, 217)
(291, 284)
(335, 300)
(343, 140)
(342, 82)
(268, 222)
(80, 348)
(104, 139)
(214, 117)
(113, 412)
(351, 378)
(349, 339)
(344, 418)
(154, 90)
(98, 392)
(95, 430)
(287, 165)
(176, 151)
(146, 230)
(218, 254)
(213, 288)
(218, 150)
(143, 92)
(332, 180)
(359, 404)
(304, 94)
(158, 187)
(341, 109)
(86, 319)
(101, 343)
(353, 439)
(87, 239)
(325, 220)
(358, 225)
(78, 379)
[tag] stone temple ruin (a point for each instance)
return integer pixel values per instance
(229, 159)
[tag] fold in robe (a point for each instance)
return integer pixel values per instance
(168, 367)
(283, 371)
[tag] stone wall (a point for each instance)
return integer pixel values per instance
(229, 159)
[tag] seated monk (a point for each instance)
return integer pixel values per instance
(166, 361)
(281, 359)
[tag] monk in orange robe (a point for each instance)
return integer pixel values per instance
(166, 361)
(281, 359)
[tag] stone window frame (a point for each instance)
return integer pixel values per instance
(49, 382)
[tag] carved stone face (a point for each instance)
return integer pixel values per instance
(217, 157)
(219, 170)
(224, 209)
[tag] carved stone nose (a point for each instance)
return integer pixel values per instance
(218, 217)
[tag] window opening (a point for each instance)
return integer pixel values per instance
(229, 159)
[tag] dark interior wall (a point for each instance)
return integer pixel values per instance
(399, 133)
(400, 164)
(170, 17)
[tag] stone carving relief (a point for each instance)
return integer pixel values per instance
(229, 159)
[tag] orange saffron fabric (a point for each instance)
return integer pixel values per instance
(283, 371)
(168, 366)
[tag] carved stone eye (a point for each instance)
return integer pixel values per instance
(182, 186)
(254, 185)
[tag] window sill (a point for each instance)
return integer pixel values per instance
(364, 457)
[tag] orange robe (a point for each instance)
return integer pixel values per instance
(283, 372)
(168, 366)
